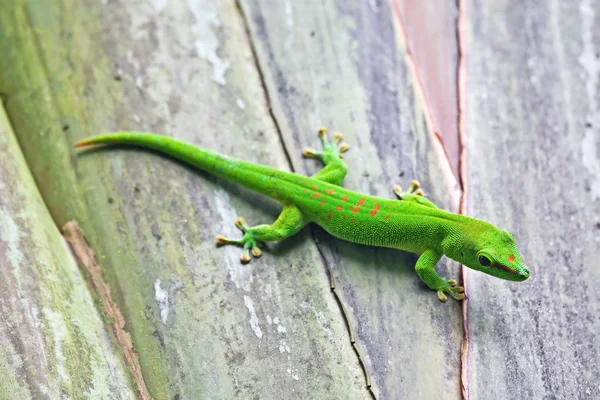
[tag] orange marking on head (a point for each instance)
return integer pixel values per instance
(314, 187)
(345, 197)
(330, 215)
(511, 257)
(315, 195)
(322, 202)
(374, 211)
(339, 208)
(361, 202)
(330, 191)
(355, 209)
(352, 220)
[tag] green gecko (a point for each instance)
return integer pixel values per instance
(410, 223)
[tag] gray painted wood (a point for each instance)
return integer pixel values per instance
(534, 169)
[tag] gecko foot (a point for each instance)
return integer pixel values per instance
(414, 189)
(250, 245)
(330, 149)
(458, 292)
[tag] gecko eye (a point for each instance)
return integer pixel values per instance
(484, 260)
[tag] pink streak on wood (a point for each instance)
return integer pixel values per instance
(431, 39)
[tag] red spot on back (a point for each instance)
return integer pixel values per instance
(345, 197)
(330, 215)
(314, 187)
(361, 202)
(315, 195)
(387, 217)
(354, 209)
(339, 208)
(322, 203)
(511, 257)
(374, 211)
(330, 191)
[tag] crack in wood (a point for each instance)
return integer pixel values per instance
(263, 82)
(347, 321)
(461, 26)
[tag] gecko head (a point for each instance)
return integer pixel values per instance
(492, 251)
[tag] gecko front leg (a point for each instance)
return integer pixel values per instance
(425, 268)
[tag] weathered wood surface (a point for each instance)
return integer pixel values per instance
(53, 341)
(254, 79)
(202, 324)
(534, 168)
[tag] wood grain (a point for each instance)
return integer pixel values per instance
(372, 101)
(532, 123)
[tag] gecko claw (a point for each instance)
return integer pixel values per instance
(240, 223)
(322, 132)
(309, 153)
(337, 137)
(442, 296)
(398, 192)
(245, 258)
(458, 292)
(256, 251)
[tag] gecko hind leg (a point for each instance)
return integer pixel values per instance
(290, 221)
(335, 168)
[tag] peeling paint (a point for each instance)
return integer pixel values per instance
(280, 327)
(9, 234)
(591, 64)
(321, 320)
(283, 347)
(240, 103)
(164, 298)
(207, 43)
(253, 317)
(159, 5)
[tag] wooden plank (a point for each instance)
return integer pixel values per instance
(534, 169)
(343, 65)
(204, 326)
(53, 342)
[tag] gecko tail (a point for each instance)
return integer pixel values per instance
(85, 142)
(253, 176)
